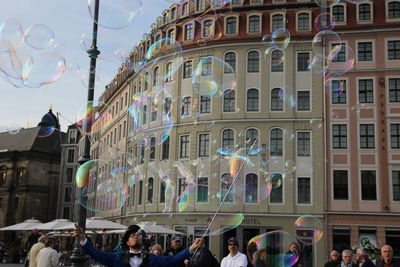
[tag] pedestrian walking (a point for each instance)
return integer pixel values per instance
(48, 256)
(234, 258)
(33, 253)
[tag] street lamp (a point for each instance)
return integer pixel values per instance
(78, 257)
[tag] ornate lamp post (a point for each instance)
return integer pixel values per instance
(78, 257)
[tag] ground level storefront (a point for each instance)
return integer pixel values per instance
(251, 226)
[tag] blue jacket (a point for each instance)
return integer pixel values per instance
(114, 259)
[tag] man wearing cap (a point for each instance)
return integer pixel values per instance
(234, 258)
(133, 255)
(176, 247)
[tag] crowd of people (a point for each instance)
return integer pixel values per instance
(136, 251)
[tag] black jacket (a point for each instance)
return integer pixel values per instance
(396, 263)
(172, 251)
(203, 258)
(332, 263)
(368, 263)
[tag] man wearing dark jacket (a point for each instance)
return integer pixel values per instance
(363, 259)
(334, 259)
(176, 247)
(387, 258)
(133, 254)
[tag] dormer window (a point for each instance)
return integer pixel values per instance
(171, 36)
(364, 12)
(189, 32)
(394, 10)
(231, 25)
(185, 9)
(277, 22)
(208, 28)
(173, 14)
(200, 5)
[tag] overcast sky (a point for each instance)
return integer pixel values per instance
(69, 20)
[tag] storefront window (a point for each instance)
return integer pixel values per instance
(340, 238)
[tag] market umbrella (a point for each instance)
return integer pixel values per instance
(25, 225)
(96, 223)
(55, 224)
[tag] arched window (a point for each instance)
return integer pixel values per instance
(251, 194)
(168, 72)
(155, 76)
(186, 106)
(277, 22)
(394, 10)
(254, 24)
(144, 114)
(228, 139)
(167, 106)
(230, 58)
(146, 81)
(251, 138)
(153, 111)
(189, 31)
(208, 28)
(142, 147)
(231, 25)
(252, 100)
(276, 142)
(171, 36)
(364, 12)
(150, 190)
(277, 60)
(253, 61)
(163, 186)
(229, 100)
(303, 22)
(165, 147)
(152, 153)
(277, 99)
(226, 181)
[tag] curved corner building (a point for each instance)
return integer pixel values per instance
(172, 140)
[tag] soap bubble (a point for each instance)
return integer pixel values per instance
(39, 36)
(309, 229)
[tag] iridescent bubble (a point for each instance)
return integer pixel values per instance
(288, 134)
(43, 68)
(323, 22)
(47, 127)
(322, 38)
(13, 128)
(270, 249)
(290, 166)
(82, 174)
(115, 14)
(224, 223)
(316, 123)
(12, 59)
(277, 55)
(91, 112)
(39, 36)
(11, 30)
(309, 229)
(267, 40)
(281, 38)
(326, 3)
(206, 77)
(337, 65)
(276, 180)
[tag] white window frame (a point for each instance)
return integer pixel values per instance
(375, 90)
(309, 20)
(371, 5)
(259, 61)
(213, 19)
(344, 13)
(311, 191)
(258, 190)
(283, 140)
(222, 135)
(193, 31)
(391, 185)
(373, 50)
(179, 150)
(387, 11)
(198, 145)
(387, 48)
(283, 100)
(237, 24)
(236, 59)
(311, 143)
(248, 23)
(310, 99)
(271, 19)
(223, 101)
(259, 97)
(283, 193)
(365, 150)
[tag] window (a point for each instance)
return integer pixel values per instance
(144, 114)
(368, 185)
(252, 100)
(277, 22)
(146, 81)
(251, 188)
(276, 142)
(276, 61)
(187, 69)
(237, 2)
(230, 58)
(393, 50)
(393, 239)
(71, 156)
(276, 99)
(181, 185)
(142, 144)
(163, 186)
(366, 91)
(204, 145)
(189, 34)
(254, 24)
(303, 22)
(67, 194)
(173, 14)
(185, 8)
(340, 185)
(72, 136)
(66, 211)
(338, 13)
(302, 61)
(165, 147)
(205, 104)
(184, 146)
(394, 10)
(303, 190)
(226, 182)
(340, 238)
(396, 185)
(229, 100)
(167, 106)
(340, 56)
(364, 51)
(394, 90)
(155, 76)
(339, 136)
(208, 29)
(253, 61)
(303, 144)
(276, 195)
(228, 139)
(202, 189)
(231, 25)
(200, 5)
(186, 106)
(153, 111)
(171, 36)
(303, 100)
(367, 136)
(140, 192)
(206, 69)
(394, 135)
(339, 92)
(169, 72)
(131, 198)
(152, 153)
(251, 138)
(150, 190)
(69, 175)
(364, 12)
